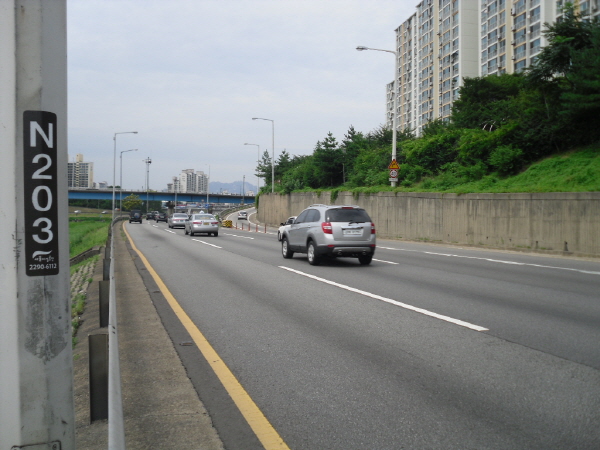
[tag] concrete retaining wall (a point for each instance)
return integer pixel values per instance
(548, 222)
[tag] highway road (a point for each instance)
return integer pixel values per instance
(429, 347)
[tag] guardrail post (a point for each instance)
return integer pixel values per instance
(104, 302)
(98, 376)
(106, 269)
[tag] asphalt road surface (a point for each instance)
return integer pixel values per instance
(429, 347)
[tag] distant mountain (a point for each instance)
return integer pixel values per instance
(236, 187)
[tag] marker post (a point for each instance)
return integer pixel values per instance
(36, 361)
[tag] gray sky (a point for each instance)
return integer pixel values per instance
(189, 75)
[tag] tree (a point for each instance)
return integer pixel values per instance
(566, 75)
(566, 37)
(283, 164)
(488, 102)
(328, 162)
(132, 202)
(263, 170)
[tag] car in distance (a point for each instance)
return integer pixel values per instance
(177, 220)
(135, 215)
(202, 223)
(330, 230)
(161, 217)
(242, 215)
(283, 225)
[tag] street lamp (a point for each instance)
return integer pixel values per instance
(273, 157)
(361, 48)
(148, 161)
(258, 163)
(207, 186)
(121, 179)
(115, 168)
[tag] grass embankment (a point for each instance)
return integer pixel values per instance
(87, 231)
(575, 171)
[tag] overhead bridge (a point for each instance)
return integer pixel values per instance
(106, 194)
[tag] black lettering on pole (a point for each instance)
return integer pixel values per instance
(40, 188)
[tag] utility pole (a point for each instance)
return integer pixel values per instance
(36, 360)
(148, 161)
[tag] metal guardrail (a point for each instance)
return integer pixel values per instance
(116, 428)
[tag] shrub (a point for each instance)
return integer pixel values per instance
(506, 159)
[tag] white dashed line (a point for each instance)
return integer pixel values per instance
(389, 300)
(235, 235)
(387, 262)
(206, 243)
(499, 261)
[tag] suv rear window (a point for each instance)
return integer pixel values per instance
(347, 215)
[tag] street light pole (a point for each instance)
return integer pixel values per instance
(395, 91)
(207, 187)
(257, 164)
(148, 161)
(115, 168)
(121, 179)
(273, 157)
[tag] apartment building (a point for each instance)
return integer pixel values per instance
(189, 181)
(80, 174)
(445, 41)
(436, 48)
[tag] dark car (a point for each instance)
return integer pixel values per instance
(161, 217)
(135, 215)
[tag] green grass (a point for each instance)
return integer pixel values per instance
(575, 171)
(87, 232)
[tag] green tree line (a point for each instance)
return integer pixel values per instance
(499, 124)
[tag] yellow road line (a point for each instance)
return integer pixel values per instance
(261, 426)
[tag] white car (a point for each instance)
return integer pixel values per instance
(243, 215)
(202, 223)
(283, 226)
(177, 220)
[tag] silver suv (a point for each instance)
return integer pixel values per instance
(328, 230)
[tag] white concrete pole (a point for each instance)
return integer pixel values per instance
(36, 361)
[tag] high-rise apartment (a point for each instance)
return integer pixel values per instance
(445, 41)
(189, 181)
(80, 174)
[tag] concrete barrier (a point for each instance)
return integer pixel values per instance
(565, 223)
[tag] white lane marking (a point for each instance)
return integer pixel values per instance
(387, 262)
(499, 261)
(389, 300)
(169, 231)
(206, 243)
(235, 235)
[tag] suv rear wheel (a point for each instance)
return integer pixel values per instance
(285, 249)
(365, 259)
(313, 258)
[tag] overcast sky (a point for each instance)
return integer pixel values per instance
(189, 75)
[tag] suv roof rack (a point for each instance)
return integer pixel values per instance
(319, 204)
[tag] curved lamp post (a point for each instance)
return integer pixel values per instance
(273, 157)
(121, 179)
(115, 168)
(258, 163)
(148, 161)
(394, 124)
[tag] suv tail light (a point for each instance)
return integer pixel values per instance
(326, 227)
(372, 228)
